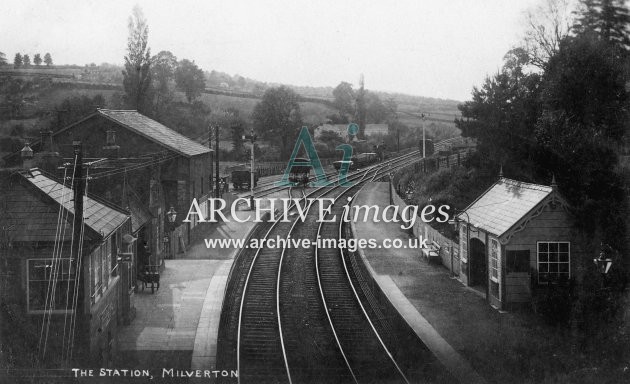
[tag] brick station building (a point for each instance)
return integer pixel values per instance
(140, 165)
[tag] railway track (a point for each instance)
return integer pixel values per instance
(294, 315)
(269, 187)
(347, 315)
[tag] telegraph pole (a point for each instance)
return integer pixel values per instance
(216, 138)
(252, 171)
(78, 188)
(424, 145)
(211, 158)
(79, 191)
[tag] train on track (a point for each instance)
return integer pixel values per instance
(358, 161)
(241, 178)
(300, 174)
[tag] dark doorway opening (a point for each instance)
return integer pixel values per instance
(478, 263)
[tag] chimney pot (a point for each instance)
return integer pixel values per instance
(46, 138)
(26, 152)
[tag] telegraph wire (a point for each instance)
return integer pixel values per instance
(65, 317)
(56, 246)
(78, 274)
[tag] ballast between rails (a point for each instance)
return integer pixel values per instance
(361, 175)
(356, 296)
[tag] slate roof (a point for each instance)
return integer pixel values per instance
(154, 131)
(139, 214)
(504, 204)
(35, 213)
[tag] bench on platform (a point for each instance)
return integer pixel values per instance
(432, 252)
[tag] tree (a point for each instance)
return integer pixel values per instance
(360, 114)
(344, 98)
(15, 95)
(277, 117)
(608, 19)
(27, 60)
(77, 107)
(547, 24)
(376, 111)
(17, 61)
(137, 74)
(3, 58)
(327, 143)
(163, 69)
(37, 59)
(585, 115)
(502, 115)
(48, 59)
(235, 125)
(190, 79)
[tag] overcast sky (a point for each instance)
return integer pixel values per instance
(428, 48)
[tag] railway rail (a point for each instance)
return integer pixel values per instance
(296, 315)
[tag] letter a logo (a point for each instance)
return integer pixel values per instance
(313, 161)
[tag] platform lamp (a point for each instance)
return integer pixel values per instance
(171, 216)
(604, 261)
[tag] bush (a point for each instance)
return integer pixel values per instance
(555, 304)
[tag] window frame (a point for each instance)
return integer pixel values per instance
(558, 262)
(464, 244)
(71, 278)
(512, 253)
(96, 272)
(492, 268)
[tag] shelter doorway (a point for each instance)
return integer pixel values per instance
(478, 263)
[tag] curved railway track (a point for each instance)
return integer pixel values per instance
(294, 315)
(366, 355)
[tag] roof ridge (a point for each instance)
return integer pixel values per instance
(523, 184)
(117, 110)
(138, 122)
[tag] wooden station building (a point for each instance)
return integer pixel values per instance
(516, 238)
(55, 301)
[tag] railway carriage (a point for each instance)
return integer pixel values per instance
(300, 171)
(338, 164)
(363, 159)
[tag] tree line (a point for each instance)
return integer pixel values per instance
(24, 61)
(559, 108)
(150, 83)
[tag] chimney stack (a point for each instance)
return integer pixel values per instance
(46, 138)
(26, 156)
(47, 159)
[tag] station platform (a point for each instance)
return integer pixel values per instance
(474, 342)
(177, 326)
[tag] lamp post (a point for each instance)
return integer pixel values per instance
(171, 216)
(604, 261)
